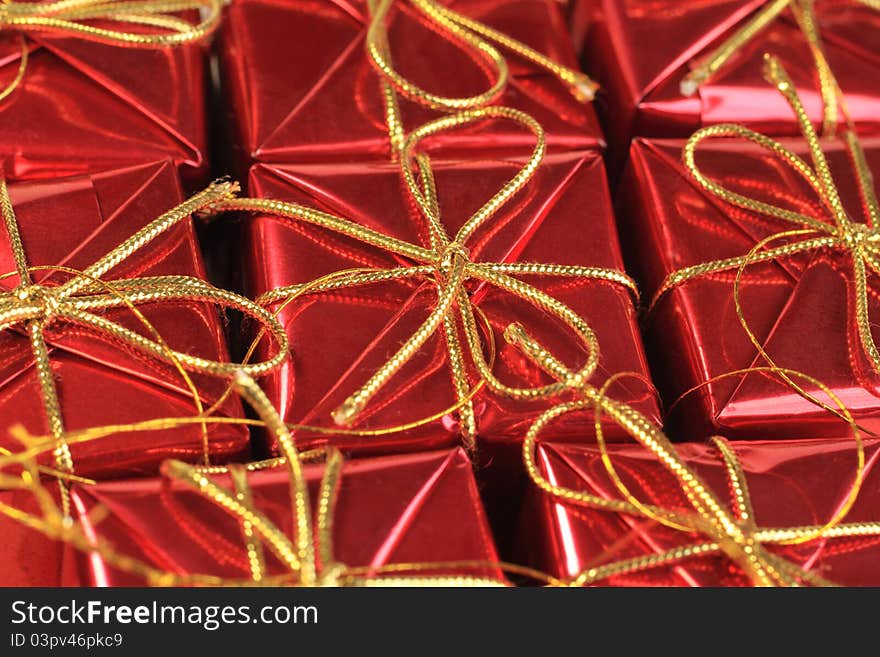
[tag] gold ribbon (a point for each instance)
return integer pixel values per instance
(474, 35)
(733, 532)
(84, 298)
(805, 15)
(72, 18)
(836, 230)
(446, 265)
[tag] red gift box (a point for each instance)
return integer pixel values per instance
(800, 307)
(83, 106)
(791, 483)
(301, 86)
(339, 339)
(101, 380)
(640, 51)
(414, 509)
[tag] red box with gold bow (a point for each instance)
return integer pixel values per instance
(641, 51)
(802, 249)
(342, 336)
(100, 85)
(301, 86)
(420, 509)
(87, 330)
(793, 488)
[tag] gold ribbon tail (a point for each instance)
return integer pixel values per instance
(833, 103)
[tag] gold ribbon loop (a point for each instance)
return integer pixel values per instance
(447, 265)
(82, 298)
(805, 15)
(475, 36)
(835, 230)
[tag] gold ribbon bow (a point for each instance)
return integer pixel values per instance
(447, 265)
(733, 532)
(805, 15)
(476, 36)
(84, 297)
(836, 230)
(72, 18)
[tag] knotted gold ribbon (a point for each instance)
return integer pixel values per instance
(835, 230)
(446, 265)
(84, 298)
(469, 33)
(733, 532)
(72, 18)
(805, 15)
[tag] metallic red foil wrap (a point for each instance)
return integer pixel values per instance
(99, 380)
(639, 51)
(340, 339)
(300, 85)
(792, 483)
(416, 508)
(801, 308)
(27, 557)
(581, 17)
(83, 106)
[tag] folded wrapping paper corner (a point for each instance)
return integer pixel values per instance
(791, 483)
(416, 509)
(302, 87)
(562, 216)
(801, 307)
(115, 101)
(641, 51)
(100, 379)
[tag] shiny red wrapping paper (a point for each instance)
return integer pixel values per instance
(792, 483)
(340, 339)
(83, 107)
(416, 508)
(640, 50)
(801, 308)
(101, 381)
(27, 557)
(581, 16)
(300, 85)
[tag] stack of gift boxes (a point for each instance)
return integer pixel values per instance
(442, 468)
